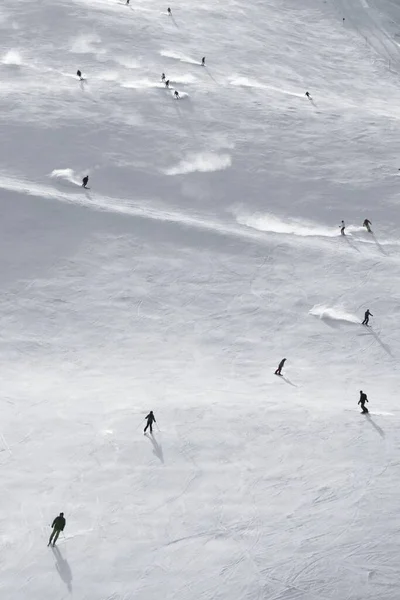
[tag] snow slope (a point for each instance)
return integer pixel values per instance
(206, 250)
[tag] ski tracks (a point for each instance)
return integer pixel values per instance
(369, 27)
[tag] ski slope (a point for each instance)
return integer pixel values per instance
(206, 250)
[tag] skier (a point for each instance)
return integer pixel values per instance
(85, 181)
(162, 76)
(150, 420)
(308, 95)
(203, 61)
(367, 315)
(342, 228)
(176, 94)
(280, 367)
(79, 73)
(57, 525)
(167, 83)
(367, 224)
(127, 1)
(363, 399)
(169, 11)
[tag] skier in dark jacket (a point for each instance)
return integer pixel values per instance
(367, 315)
(79, 74)
(363, 399)
(150, 420)
(367, 223)
(280, 367)
(342, 227)
(203, 61)
(85, 181)
(57, 525)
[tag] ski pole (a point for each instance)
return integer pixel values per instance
(139, 424)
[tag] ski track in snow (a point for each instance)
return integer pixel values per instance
(143, 209)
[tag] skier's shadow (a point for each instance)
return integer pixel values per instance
(351, 244)
(375, 426)
(288, 381)
(185, 120)
(379, 246)
(157, 448)
(378, 339)
(210, 75)
(63, 568)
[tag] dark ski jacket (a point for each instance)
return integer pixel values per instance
(59, 523)
(150, 417)
(363, 399)
(368, 314)
(281, 364)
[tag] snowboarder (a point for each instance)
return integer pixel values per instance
(162, 76)
(280, 367)
(57, 525)
(150, 420)
(367, 224)
(167, 83)
(363, 399)
(169, 11)
(85, 181)
(367, 315)
(342, 228)
(176, 94)
(79, 74)
(203, 61)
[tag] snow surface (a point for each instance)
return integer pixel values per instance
(207, 249)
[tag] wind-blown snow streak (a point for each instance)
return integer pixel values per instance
(12, 57)
(66, 175)
(180, 57)
(157, 212)
(271, 223)
(203, 162)
(142, 84)
(143, 209)
(87, 44)
(246, 82)
(330, 313)
(121, 205)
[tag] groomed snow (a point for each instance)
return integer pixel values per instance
(206, 250)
